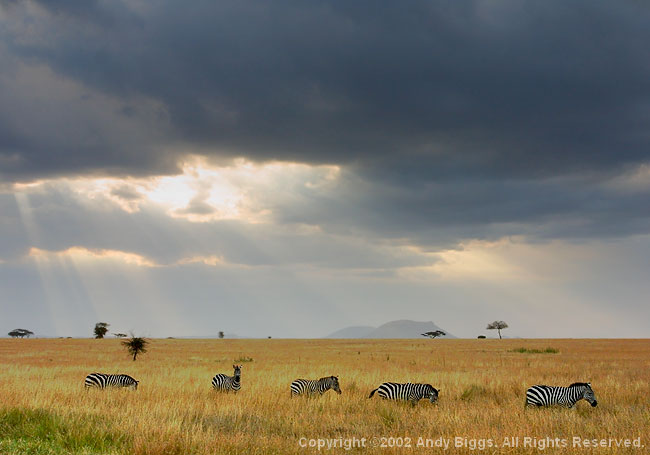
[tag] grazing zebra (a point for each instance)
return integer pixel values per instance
(102, 381)
(409, 392)
(228, 383)
(543, 395)
(312, 387)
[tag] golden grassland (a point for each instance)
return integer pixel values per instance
(45, 410)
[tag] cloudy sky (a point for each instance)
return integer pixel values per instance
(289, 168)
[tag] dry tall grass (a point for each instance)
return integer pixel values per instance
(46, 410)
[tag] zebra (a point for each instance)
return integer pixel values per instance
(543, 395)
(226, 383)
(408, 391)
(102, 381)
(311, 387)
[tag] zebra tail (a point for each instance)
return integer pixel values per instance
(373, 392)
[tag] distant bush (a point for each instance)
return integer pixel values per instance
(243, 360)
(480, 337)
(536, 351)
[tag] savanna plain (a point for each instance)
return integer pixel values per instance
(44, 408)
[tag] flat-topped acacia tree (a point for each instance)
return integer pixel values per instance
(20, 333)
(497, 325)
(434, 334)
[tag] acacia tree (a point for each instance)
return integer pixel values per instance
(497, 325)
(434, 334)
(135, 345)
(20, 333)
(100, 329)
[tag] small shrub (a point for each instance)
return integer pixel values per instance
(243, 359)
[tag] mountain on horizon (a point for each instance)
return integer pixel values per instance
(356, 331)
(395, 329)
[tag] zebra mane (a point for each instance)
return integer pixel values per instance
(579, 384)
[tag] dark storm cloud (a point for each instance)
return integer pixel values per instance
(436, 89)
(452, 118)
(438, 215)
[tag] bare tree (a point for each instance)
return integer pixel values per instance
(135, 345)
(100, 329)
(434, 334)
(498, 325)
(20, 333)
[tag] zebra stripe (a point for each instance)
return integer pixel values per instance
(408, 392)
(226, 383)
(543, 395)
(312, 386)
(102, 381)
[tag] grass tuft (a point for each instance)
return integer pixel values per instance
(474, 391)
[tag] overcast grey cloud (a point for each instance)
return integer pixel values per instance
(414, 129)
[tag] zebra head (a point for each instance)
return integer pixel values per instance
(589, 395)
(334, 384)
(432, 394)
(135, 385)
(237, 369)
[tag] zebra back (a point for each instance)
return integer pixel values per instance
(412, 392)
(101, 381)
(313, 386)
(544, 395)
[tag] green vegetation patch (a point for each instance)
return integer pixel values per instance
(536, 351)
(40, 432)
